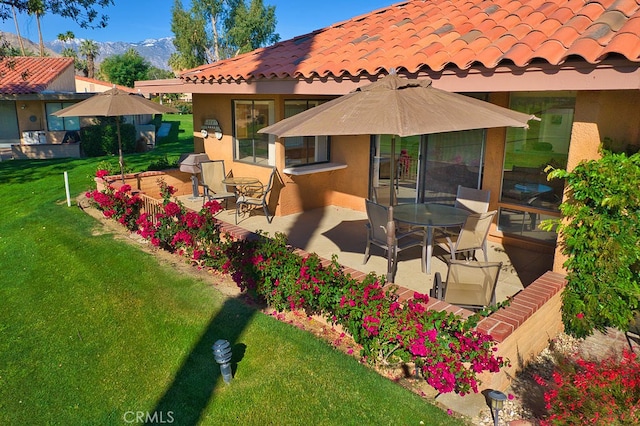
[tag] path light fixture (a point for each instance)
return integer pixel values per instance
(497, 399)
(222, 354)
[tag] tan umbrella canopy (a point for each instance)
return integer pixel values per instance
(114, 103)
(397, 106)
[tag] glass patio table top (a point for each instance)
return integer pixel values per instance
(429, 215)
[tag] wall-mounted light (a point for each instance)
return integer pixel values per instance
(212, 126)
(23, 106)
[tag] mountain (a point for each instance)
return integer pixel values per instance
(29, 46)
(155, 51)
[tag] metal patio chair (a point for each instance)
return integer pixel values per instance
(255, 195)
(212, 174)
(377, 216)
(472, 236)
(469, 284)
(474, 200)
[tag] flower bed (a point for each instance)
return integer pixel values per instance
(450, 352)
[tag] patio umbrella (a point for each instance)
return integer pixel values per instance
(114, 103)
(397, 106)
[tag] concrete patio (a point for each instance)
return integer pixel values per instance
(334, 230)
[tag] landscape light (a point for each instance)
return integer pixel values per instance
(222, 354)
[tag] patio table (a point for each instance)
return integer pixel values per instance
(429, 216)
(240, 182)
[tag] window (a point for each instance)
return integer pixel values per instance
(60, 123)
(249, 117)
(527, 196)
(304, 150)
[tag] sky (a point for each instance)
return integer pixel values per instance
(137, 20)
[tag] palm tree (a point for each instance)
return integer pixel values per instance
(89, 49)
(15, 19)
(36, 7)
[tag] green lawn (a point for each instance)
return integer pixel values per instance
(94, 330)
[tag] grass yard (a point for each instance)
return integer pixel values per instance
(94, 330)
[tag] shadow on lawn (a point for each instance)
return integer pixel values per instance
(194, 383)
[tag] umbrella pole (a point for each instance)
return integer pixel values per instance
(392, 173)
(120, 158)
(391, 246)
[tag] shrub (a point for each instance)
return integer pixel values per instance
(117, 203)
(599, 235)
(101, 138)
(582, 392)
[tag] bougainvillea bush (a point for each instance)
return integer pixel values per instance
(446, 348)
(117, 202)
(582, 392)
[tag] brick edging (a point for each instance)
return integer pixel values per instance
(499, 325)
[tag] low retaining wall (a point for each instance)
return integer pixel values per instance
(147, 182)
(45, 151)
(522, 330)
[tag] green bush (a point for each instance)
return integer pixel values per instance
(599, 235)
(102, 138)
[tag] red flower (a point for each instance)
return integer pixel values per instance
(102, 173)
(580, 315)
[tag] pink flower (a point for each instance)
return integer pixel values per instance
(102, 173)
(580, 315)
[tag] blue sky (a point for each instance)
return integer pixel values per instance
(136, 20)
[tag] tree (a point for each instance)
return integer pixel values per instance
(125, 69)
(69, 52)
(15, 20)
(599, 231)
(89, 49)
(83, 12)
(36, 7)
(234, 28)
(155, 73)
(190, 38)
(251, 28)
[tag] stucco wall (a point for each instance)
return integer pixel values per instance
(598, 115)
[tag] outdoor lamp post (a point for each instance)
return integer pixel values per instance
(497, 399)
(222, 354)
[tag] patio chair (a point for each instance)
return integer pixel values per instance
(377, 216)
(469, 284)
(474, 200)
(212, 173)
(633, 333)
(472, 236)
(255, 195)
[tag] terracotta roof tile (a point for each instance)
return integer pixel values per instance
(628, 43)
(29, 75)
(418, 34)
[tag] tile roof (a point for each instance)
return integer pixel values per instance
(438, 34)
(29, 75)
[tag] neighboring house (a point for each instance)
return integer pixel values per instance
(31, 88)
(91, 85)
(575, 64)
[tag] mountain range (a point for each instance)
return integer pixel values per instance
(155, 51)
